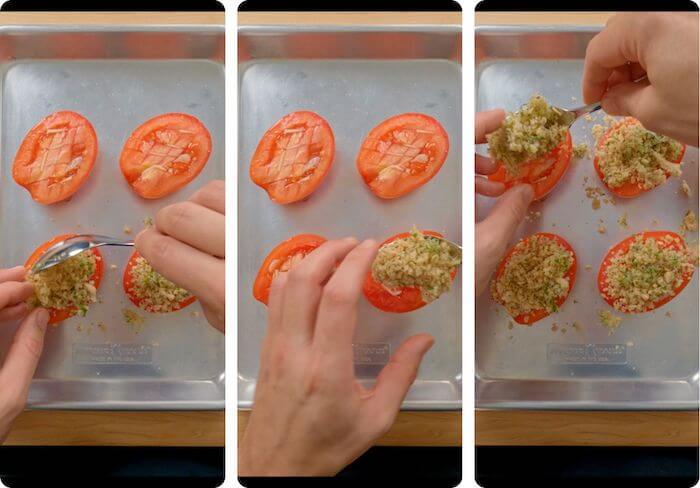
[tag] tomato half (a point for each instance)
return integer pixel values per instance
(128, 284)
(293, 157)
(282, 258)
(405, 299)
(56, 157)
(623, 246)
(628, 190)
(530, 318)
(402, 153)
(59, 315)
(164, 154)
(543, 173)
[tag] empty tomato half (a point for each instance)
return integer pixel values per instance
(402, 153)
(56, 157)
(164, 154)
(281, 259)
(293, 157)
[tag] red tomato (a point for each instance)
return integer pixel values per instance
(543, 173)
(164, 154)
(627, 190)
(402, 153)
(128, 283)
(293, 157)
(623, 246)
(282, 258)
(56, 157)
(405, 299)
(535, 315)
(59, 315)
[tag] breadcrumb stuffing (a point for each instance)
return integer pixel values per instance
(147, 221)
(601, 229)
(67, 284)
(607, 319)
(690, 223)
(580, 150)
(646, 273)
(127, 229)
(112, 267)
(685, 188)
(534, 277)
(527, 134)
(131, 317)
(155, 292)
(417, 260)
(633, 154)
(622, 221)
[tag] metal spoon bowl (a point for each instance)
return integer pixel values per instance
(73, 246)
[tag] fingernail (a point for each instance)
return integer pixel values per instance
(17, 268)
(41, 319)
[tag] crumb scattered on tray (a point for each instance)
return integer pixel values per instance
(669, 314)
(608, 320)
(622, 221)
(685, 188)
(131, 317)
(588, 117)
(195, 313)
(576, 326)
(580, 150)
(601, 229)
(127, 229)
(588, 267)
(555, 327)
(148, 221)
(690, 222)
(112, 267)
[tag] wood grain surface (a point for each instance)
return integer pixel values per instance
(111, 18)
(349, 18)
(542, 18)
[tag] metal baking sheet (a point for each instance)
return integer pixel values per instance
(336, 73)
(118, 78)
(651, 361)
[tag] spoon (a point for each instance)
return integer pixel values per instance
(73, 246)
(568, 117)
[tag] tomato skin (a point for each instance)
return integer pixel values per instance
(532, 317)
(43, 187)
(301, 243)
(154, 175)
(409, 298)
(297, 181)
(624, 246)
(627, 190)
(128, 285)
(543, 173)
(59, 315)
(373, 155)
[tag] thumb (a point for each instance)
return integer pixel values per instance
(508, 213)
(21, 360)
(397, 376)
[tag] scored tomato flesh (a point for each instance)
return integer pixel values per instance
(128, 284)
(164, 154)
(59, 315)
(533, 316)
(56, 157)
(623, 246)
(542, 173)
(281, 259)
(402, 153)
(405, 299)
(293, 157)
(629, 189)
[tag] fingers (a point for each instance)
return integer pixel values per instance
(211, 196)
(487, 122)
(397, 376)
(509, 212)
(13, 292)
(488, 188)
(275, 301)
(635, 99)
(195, 225)
(484, 165)
(337, 312)
(304, 286)
(23, 355)
(13, 274)
(197, 272)
(13, 312)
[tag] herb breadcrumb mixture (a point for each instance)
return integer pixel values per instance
(417, 260)
(647, 272)
(580, 150)
(633, 154)
(690, 222)
(534, 276)
(131, 317)
(155, 292)
(527, 134)
(67, 284)
(607, 319)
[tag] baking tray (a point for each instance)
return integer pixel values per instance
(355, 78)
(117, 77)
(651, 361)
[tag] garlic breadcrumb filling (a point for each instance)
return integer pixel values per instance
(527, 134)
(633, 154)
(646, 273)
(534, 277)
(155, 292)
(608, 320)
(418, 260)
(67, 284)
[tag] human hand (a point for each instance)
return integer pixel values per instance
(310, 415)
(24, 353)
(664, 46)
(493, 234)
(187, 245)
